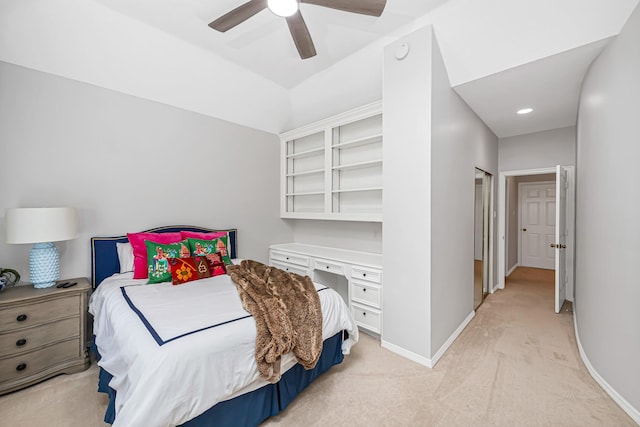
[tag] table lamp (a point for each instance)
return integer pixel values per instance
(42, 227)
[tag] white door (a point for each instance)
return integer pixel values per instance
(560, 243)
(538, 224)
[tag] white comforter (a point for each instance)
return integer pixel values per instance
(169, 384)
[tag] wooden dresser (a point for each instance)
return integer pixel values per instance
(42, 333)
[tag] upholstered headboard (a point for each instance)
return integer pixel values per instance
(104, 255)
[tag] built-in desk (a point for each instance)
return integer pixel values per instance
(361, 272)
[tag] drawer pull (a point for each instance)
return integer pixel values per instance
(364, 313)
(287, 257)
(364, 274)
(21, 318)
(21, 342)
(327, 267)
(364, 289)
(21, 367)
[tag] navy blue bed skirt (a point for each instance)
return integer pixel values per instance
(252, 408)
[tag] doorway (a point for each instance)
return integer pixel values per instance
(562, 245)
(536, 225)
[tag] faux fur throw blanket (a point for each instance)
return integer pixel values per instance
(286, 308)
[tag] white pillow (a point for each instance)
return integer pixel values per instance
(125, 256)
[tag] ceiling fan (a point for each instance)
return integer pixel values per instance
(290, 10)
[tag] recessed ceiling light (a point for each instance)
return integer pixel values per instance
(283, 8)
(525, 111)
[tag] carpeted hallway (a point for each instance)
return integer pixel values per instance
(516, 364)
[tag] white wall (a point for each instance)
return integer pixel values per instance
(352, 235)
(407, 196)
(92, 43)
(538, 150)
(433, 142)
(130, 164)
(607, 218)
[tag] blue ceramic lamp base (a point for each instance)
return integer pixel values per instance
(44, 265)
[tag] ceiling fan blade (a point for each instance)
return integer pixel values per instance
(301, 36)
(238, 15)
(363, 7)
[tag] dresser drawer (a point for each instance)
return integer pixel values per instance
(366, 293)
(289, 258)
(26, 339)
(28, 364)
(368, 274)
(329, 266)
(290, 268)
(23, 316)
(366, 317)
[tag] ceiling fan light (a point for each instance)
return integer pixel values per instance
(283, 8)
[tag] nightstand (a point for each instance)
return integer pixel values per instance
(42, 333)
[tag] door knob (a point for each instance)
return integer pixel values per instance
(524, 229)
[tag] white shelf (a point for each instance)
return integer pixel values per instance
(360, 141)
(354, 190)
(338, 166)
(306, 153)
(358, 165)
(310, 172)
(306, 193)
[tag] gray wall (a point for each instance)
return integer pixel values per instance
(608, 215)
(460, 142)
(129, 164)
(538, 150)
(433, 142)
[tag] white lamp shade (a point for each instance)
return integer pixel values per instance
(40, 225)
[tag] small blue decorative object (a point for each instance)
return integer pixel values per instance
(44, 265)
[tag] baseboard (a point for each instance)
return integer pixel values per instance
(429, 363)
(511, 269)
(451, 339)
(621, 401)
(407, 354)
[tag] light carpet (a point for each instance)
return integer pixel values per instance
(516, 364)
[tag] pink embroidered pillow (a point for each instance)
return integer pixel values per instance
(203, 236)
(140, 249)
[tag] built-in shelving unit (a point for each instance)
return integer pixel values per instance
(333, 169)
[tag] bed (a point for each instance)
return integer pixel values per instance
(185, 355)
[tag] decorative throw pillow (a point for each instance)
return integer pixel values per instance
(140, 261)
(158, 255)
(200, 247)
(185, 270)
(207, 236)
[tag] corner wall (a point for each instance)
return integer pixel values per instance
(433, 142)
(129, 164)
(607, 222)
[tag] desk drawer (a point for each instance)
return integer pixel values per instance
(329, 266)
(366, 317)
(366, 293)
(290, 268)
(28, 364)
(289, 258)
(368, 274)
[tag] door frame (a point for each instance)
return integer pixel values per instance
(571, 219)
(520, 225)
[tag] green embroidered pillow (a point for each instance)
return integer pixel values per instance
(158, 255)
(200, 247)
